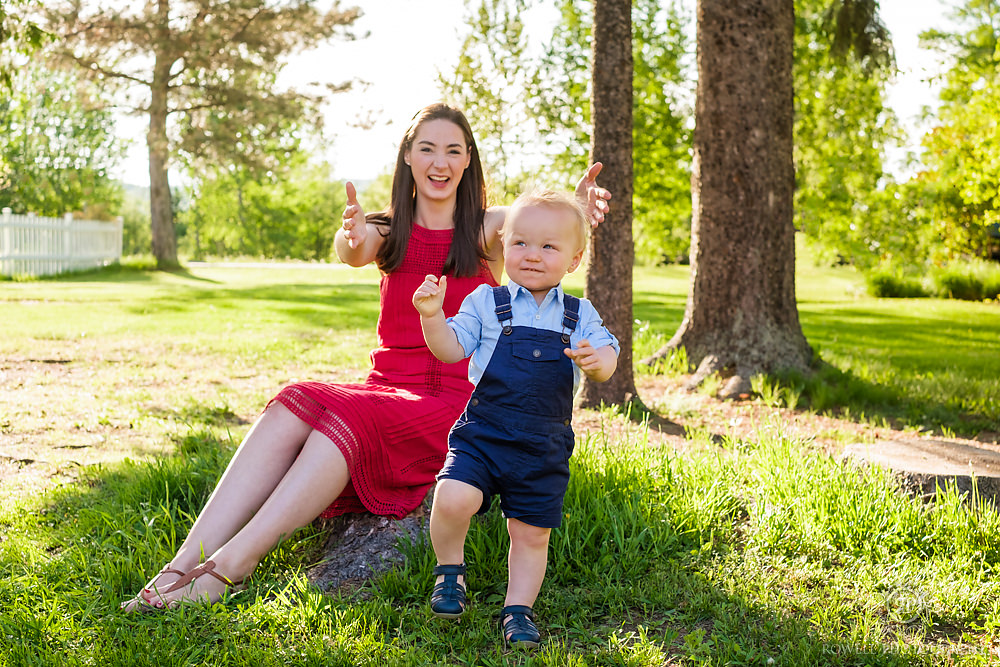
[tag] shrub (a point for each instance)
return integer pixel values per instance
(970, 281)
(886, 283)
(957, 282)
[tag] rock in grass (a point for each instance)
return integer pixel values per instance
(926, 464)
(362, 546)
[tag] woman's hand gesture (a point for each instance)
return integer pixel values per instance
(592, 197)
(355, 225)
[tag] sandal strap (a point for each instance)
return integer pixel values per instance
(449, 569)
(208, 567)
(519, 627)
(167, 569)
(518, 609)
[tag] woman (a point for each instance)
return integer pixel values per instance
(323, 449)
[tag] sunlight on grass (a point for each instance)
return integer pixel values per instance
(770, 552)
(740, 551)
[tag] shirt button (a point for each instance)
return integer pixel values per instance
(538, 317)
(536, 354)
(566, 422)
(474, 401)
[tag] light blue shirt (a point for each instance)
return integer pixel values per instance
(478, 329)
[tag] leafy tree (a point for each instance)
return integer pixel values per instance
(660, 115)
(488, 85)
(842, 126)
(209, 63)
(57, 145)
(19, 37)
(962, 154)
(236, 212)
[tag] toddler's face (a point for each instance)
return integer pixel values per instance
(540, 246)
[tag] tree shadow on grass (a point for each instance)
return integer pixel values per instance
(329, 306)
(909, 367)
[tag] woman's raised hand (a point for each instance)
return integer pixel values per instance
(355, 225)
(429, 297)
(592, 197)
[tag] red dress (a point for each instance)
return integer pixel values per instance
(393, 429)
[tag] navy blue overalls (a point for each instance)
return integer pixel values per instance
(515, 437)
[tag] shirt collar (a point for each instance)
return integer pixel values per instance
(516, 289)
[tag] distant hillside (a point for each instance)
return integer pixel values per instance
(136, 192)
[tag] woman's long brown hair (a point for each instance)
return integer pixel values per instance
(466, 252)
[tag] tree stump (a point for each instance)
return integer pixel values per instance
(363, 546)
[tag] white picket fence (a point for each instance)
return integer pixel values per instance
(37, 246)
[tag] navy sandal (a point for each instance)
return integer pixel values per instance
(448, 598)
(519, 631)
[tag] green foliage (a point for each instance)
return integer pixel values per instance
(962, 153)
(135, 221)
(488, 84)
(842, 126)
(20, 37)
(975, 280)
(287, 215)
(661, 113)
(887, 283)
(57, 145)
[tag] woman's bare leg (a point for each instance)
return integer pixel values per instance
(261, 461)
(315, 479)
(255, 471)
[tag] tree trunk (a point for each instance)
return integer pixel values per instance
(611, 253)
(160, 211)
(741, 316)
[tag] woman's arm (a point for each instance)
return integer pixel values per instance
(357, 241)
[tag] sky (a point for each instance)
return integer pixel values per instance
(408, 43)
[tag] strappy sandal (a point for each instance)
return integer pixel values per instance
(208, 567)
(141, 601)
(448, 598)
(519, 630)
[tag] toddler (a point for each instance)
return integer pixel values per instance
(528, 342)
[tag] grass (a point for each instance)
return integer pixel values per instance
(760, 551)
(925, 364)
(773, 553)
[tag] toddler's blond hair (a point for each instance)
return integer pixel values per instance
(553, 200)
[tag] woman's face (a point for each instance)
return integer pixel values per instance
(438, 158)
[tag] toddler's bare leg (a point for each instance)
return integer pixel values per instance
(455, 503)
(529, 550)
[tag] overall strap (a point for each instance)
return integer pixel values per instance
(571, 315)
(503, 310)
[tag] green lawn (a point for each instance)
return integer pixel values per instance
(772, 553)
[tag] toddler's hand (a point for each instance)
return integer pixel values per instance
(429, 297)
(584, 356)
(355, 225)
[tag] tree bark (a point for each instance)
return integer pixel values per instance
(611, 253)
(160, 210)
(741, 316)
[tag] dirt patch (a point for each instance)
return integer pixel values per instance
(74, 406)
